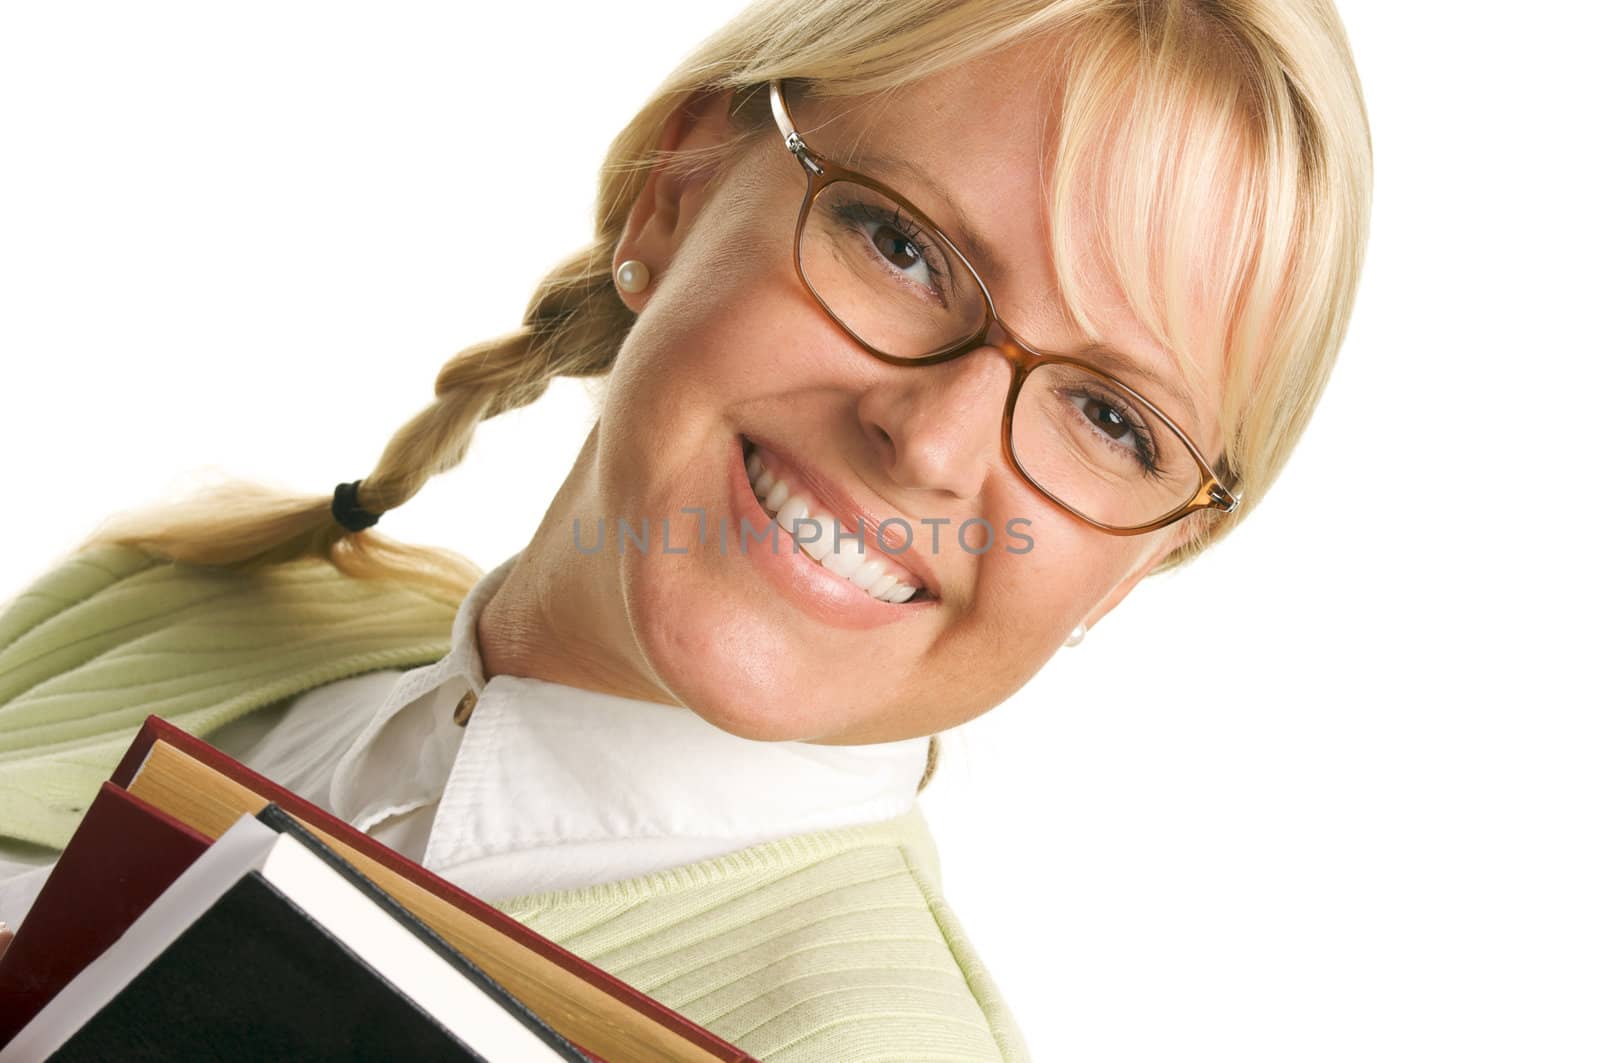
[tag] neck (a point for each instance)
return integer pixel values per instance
(559, 615)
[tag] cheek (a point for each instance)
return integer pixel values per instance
(1060, 570)
(711, 335)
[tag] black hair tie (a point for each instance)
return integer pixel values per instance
(348, 512)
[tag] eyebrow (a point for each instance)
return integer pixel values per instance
(1114, 360)
(963, 229)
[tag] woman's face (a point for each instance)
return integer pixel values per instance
(730, 350)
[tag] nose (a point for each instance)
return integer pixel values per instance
(937, 427)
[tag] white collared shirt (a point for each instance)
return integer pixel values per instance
(548, 786)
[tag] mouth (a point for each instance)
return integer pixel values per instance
(787, 494)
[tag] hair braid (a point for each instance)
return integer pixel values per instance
(572, 327)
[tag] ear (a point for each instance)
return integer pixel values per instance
(664, 213)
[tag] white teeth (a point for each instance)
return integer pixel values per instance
(869, 573)
(850, 560)
(882, 587)
(818, 548)
(789, 512)
(842, 562)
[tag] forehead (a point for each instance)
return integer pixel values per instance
(978, 141)
(980, 130)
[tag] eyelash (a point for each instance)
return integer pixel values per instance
(1144, 443)
(859, 212)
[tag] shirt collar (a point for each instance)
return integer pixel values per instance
(466, 658)
(543, 764)
(407, 727)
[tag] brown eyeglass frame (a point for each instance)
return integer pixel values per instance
(1023, 357)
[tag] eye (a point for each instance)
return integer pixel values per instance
(897, 240)
(1116, 424)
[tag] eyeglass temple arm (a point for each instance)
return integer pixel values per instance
(791, 137)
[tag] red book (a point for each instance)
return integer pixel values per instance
(124, 854)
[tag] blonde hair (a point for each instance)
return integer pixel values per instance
(1175, 113)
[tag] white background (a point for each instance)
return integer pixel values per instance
(1329, 794)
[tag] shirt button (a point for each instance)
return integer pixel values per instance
(464, 707)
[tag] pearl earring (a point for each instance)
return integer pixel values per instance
(633, 276)
(1076, 636)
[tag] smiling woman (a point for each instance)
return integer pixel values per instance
(928, 330)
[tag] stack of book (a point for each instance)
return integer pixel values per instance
(201, 911)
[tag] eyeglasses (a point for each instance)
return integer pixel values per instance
(898, 286)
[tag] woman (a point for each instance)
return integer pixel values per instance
(1030, 299)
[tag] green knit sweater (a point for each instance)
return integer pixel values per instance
(830, 946)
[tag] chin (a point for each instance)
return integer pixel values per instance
(752, 695)
(737, 670)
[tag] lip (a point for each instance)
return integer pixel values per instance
(837, 501)
(821, 594)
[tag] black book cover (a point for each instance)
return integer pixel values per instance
(281, 821)
(255, 978)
